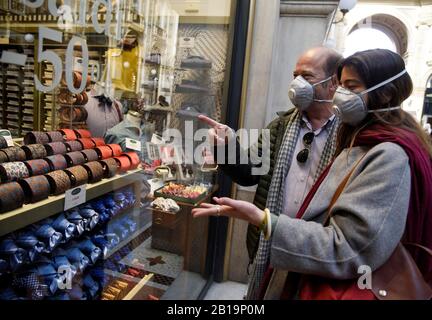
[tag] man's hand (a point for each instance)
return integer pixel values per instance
(219, 133)
(231, 208)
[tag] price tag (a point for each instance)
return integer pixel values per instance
(8, 137)
(133, 144)
(75, 197)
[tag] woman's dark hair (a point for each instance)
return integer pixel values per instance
(373, 67)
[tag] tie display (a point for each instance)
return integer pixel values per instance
(54, 136)
(116, 149)
(90, 250)
(82, 133)
(59, 181)
(78, 175)
(134, 159)
(104, 152)
(68, 134)
(95, 171)
(37, 167)
(36, 137)
(35, 151)
(80, 223)
(123, 163)
(98, 142)
(13, 171)
(35, 188)
(30, 282)
(90, 155)
(29, 242)
(54, 148)
(110, 167)
(12, 254)
(57, 162)
(64, 226)
(48, 235)
(4, 157)
(73, 146)
(75, 158)
(15, 154)
(11, 196)
(86, 143)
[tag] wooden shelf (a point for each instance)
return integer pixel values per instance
(32, 213)
(138, 287)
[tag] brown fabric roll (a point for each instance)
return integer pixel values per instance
(38, 167)
(13, 171)
(73, 146)
(90, 155)
(95, 171)
(78, 175)
(55, 136)
(35, 151)
(57, 162)
(11, 196)
(36, 137)
(15, 154)
(110, 167)
(55, 148)
(59, 182)
(4, 157)
(35, 189)
(75, 158)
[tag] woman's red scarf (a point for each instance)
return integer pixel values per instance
(419, 220)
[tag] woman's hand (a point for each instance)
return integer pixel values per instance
(231, 208)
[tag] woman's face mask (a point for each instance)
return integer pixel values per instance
(350, 106)
(302, 93)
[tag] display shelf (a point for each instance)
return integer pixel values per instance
(32, 213)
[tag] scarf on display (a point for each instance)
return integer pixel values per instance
(276, 194)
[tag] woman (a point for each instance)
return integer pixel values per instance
(380, 183)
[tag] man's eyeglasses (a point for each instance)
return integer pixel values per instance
(303, 155)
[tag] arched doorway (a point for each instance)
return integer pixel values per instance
(377, 31)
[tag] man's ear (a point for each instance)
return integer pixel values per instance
(334, 82)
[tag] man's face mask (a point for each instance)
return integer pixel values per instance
(302, 93)
(350, 106)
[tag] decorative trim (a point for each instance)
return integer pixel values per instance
(302, 8)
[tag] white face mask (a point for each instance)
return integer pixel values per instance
(350, 106)
(302, 93)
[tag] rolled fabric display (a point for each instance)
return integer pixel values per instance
(13, 171)
(86, 143)
(54, 148)
(104, 152)
(123, 163)
(36, 137)
(55, 136)
(116, 149)
(11, 196)
(78, 175)
(84, 98)
(57, 162)
(110, 167)
(134, 159)
(75, 158)
(90, 155)
(4, 157)
(98, 142)
(15, 154)
(35, 188)
(59, 181)
(73, 146)
(3, 142)
(68, 134)
(37, 167)
(83, 133)
(35, 151)
(95, 171)
(72, 114)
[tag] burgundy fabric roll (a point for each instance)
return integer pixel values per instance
(11, 196)
(75, 158)
(73, 146)
(55, 136)
(90, 155)
(57, 162)
(15, 154)
(54, 148)
(36, 137)
(38, 167)
(35, 188)
(35, 151)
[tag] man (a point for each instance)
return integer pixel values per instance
(302, 143)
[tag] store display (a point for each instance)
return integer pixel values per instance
(54, 148)
(14, 154)
(13, 171)
(35, 151)
(59, 181)
(110, 167)
(95, 171)
(181, 192)
(104, 152)
(167, 205)
(35, 188)
(11, 196)
(73, 146)
(78, 175)
(75, 158)
(36, 137)
(123, 163)
(87, 143)
(69, 134)
(57, 162)
(98, 142)
(38, 167)
(90, 155)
